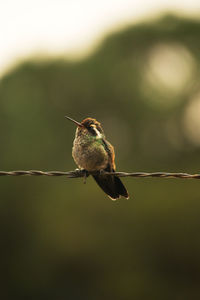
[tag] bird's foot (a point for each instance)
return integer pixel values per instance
(85, 175)
(101, 172)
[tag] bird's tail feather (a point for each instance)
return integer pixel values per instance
(111, 185)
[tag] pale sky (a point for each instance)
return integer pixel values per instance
(30, 27)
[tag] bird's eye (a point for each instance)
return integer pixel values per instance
(92, 130)
(95, 131)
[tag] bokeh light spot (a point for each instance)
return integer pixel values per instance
(191, 120)
(169, 71)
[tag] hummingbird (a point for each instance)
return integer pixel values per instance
(93, 153)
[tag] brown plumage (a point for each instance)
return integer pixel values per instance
(92, 152)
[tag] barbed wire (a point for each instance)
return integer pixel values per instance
(82, 173)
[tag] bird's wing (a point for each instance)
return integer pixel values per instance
(111, 154)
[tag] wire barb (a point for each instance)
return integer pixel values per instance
(81, 173)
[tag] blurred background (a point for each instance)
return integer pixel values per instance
(135, 67)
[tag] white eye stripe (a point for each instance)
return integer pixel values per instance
(99, 135)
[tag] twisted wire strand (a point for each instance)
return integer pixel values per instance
(81, 173)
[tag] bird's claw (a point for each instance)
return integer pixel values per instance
(85, 175)
(101, 172)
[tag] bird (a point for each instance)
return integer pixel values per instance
(94, 154)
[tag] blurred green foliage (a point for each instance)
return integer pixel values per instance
(61, 239)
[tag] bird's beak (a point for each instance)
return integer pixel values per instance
(77, 123)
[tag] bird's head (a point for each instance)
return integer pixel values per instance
(88, 126)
